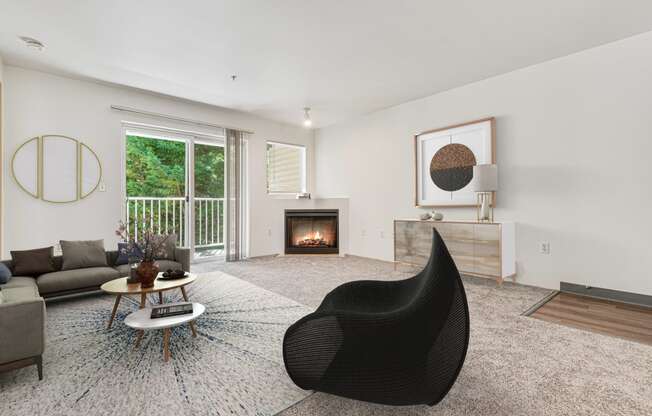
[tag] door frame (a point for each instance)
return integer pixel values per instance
(189, 138)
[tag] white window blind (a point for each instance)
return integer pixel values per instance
(286, 168)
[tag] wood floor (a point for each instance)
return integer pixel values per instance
(602, 316)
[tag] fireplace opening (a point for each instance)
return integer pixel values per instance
(311, 231)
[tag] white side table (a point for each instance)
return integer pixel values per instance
(141, 320)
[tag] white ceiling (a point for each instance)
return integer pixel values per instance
(342, 58)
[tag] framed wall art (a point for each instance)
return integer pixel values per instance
(56, 168)
(444, 160)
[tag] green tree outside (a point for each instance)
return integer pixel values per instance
(156, 168)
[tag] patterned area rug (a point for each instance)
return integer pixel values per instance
(234, 366)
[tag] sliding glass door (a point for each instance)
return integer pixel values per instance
(175, 183)
(208, 197)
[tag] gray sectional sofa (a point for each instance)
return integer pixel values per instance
(22, 304)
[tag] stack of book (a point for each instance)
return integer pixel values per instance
(165, 311)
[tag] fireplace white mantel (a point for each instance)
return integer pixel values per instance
(340, 204)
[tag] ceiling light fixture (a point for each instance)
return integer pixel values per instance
(32, 43)
(307, 121)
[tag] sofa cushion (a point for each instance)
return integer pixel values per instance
(164, 265)
(83, 254)
(124, 254)
(19, 294)
(5, 274)
(123, 270)
(167, 249)
(32, 262)
(123, 257)
(75, 279)
(19, 281)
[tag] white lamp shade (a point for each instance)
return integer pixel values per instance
(485, 178)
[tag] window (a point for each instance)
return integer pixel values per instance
(286, 168)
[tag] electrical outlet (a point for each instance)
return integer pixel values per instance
(102, 187)
(269, 232)
(382, 234)
(544, 247)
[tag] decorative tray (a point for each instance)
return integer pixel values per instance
(172, 276)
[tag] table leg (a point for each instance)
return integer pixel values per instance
(192, 324)
(166, 342)
(143, 297)
(160, 297)
(115, 309)
(139, 336)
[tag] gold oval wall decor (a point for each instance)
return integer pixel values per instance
(56, 168)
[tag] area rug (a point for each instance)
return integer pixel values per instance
(234, 366)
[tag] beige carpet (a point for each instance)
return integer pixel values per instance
(515, 365)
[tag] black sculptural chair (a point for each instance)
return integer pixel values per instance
(390, 342)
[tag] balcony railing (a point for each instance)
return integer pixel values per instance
(169, 215)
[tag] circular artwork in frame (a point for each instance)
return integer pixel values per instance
(444, 162)
(451, 168)
(56, 168)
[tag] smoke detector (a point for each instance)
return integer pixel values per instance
(32, 43)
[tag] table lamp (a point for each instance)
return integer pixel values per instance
(484, 184)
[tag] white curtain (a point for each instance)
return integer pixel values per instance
(236, 195)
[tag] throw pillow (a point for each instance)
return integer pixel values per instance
(167, 250)
(5, 274)
(123, 255)
(32, 262)
(83, 254)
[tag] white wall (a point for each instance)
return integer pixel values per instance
(38, 103)
(574, 141)
(2, 127)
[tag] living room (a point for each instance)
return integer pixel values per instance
(338, 209)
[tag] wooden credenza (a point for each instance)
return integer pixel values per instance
(478, 249)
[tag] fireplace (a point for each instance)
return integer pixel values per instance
(311, 231)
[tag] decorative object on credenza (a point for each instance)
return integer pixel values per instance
(303, 195)
(437, 216)
(151, 244)
(425, 216)
(444, 162)
(56, 168)
(485, 183)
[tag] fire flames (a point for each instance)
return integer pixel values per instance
(312, 239)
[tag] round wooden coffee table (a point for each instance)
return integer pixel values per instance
(120, 287)
(142, 321)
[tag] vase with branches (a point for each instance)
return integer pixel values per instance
(150, 246)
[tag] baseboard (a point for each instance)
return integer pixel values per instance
(607, 294)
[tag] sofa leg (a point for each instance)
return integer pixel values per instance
(39, 366)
